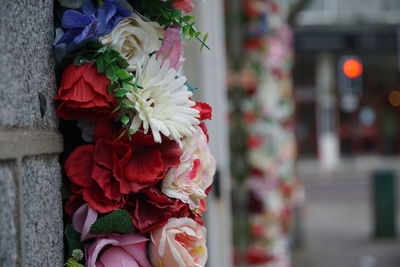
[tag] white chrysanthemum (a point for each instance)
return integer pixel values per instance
(163, 105)
(135, 39)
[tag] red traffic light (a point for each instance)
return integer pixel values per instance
(352, 68)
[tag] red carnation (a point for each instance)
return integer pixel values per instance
(150, 161)
(96, 174)
(84, 94)
(103, 174)
(151, 208)
(205, 110)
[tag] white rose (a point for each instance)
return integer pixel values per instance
(135, 39)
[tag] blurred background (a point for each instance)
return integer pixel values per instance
(305, 129)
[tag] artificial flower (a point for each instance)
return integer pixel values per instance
(172, 47)
(150, 161)
(150, 208)
(104, 173)
(97, 172)
(83, 219)
(118, 251)
(190, 180)
(80, 27)
(135, 39)
(179, 243)
(84, 94)
(163, 105)
(184, 5)
(110, 13)
(205, 110)
(92, 23)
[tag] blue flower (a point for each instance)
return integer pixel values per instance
(92, 23)
(80, 27)
(111, 13)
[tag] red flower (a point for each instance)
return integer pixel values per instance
(151, 208)
(184, 5)
(103, 174)
(150, 161)
(96, 174)
(205, 110)
(84, 94)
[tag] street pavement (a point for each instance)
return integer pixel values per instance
(337, 225)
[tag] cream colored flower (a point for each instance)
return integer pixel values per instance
(135, 39)
(163, 105)
(179, 243)
(190, 180)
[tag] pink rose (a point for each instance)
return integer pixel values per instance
(118, 251)
(184, 5)
(191, 179)
(172, 47)
(179, 243)
(83, 219)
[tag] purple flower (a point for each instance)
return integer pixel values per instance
(80, 27)
(92, 23)
(111, 13)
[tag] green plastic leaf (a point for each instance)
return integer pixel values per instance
(123, 74)
(77, 254)
(73, 238)
(120, 92)
(118, 222)
(110, 73)
(127, 105)
(71, 262)
(101, 65)
(124, 120)
(116, 108)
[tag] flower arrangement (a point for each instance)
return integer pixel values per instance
(139, 179)
(266, 112)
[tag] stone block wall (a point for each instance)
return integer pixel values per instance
(31, 226)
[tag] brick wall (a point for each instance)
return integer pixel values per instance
(31, 224)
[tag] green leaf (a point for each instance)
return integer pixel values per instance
(110, 73)
(111, 56)
(73, 238)
(118, 222)
(124, 120)
(127, 105)
(116, 108)
(101, 64)
(127, 86)
(71, 262)
(120, 92)
(123, 74)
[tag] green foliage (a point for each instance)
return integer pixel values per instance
(73, 238)
(71, 262)
(113, 65)
(118, 221)
(77, 254)
(165, 15)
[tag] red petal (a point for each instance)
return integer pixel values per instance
(95, 198)
(144, 167)
(205, 110)
(78, 166)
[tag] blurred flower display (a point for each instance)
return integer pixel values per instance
(266, 112)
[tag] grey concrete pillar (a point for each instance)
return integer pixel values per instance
(31, 224)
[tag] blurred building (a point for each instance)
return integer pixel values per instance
(333, 121)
